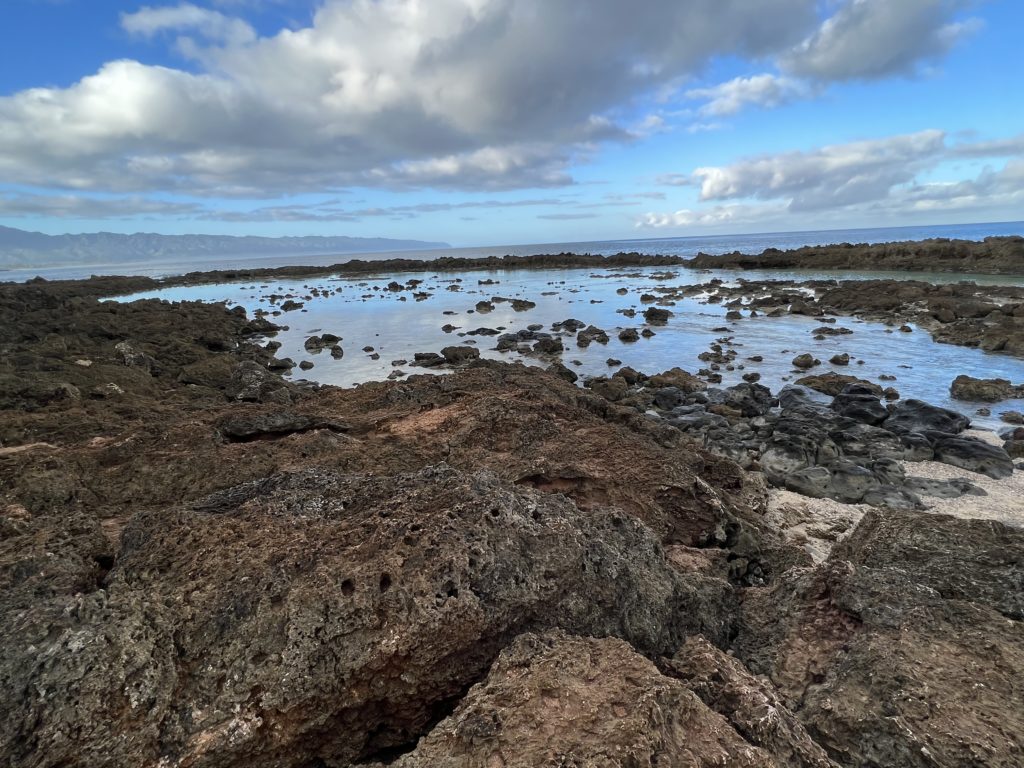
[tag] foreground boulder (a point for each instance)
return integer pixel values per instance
(904, 648)
(316, 616)
(555, 699)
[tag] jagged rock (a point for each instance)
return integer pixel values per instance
(555, 699)
(610, 388)
(843, 359)
(280, 364)
(750, 704)
(864, 649)
(427, 360)
(591, 334)
(251, 382)
(559, 370)
(130, 356)
(918, 416)
(569, 326)
(860, 403)
(944, 489)
(677, 377)
(252, 426)
(834, 383)
(312, 599)
(629, 334)
(549, 346)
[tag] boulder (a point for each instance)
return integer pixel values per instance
(316, 617)
(460, 355)
(657, 315)
(806, 360)
(918, 416)
(554, 699)
(974, 455)
(984, 390)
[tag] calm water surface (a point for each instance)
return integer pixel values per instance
(364, 314)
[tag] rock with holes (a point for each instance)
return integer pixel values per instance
(557, 700)
(315, 617)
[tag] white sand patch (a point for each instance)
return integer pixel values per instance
(818, 524)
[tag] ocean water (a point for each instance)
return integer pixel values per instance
(676, 246)
(365, 314)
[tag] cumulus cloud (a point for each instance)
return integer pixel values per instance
(455, 94)
(868, 39)
(764, 90)
(828, 177)
(462, 93)
(880, 176)
(717, 216)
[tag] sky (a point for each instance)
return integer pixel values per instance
(483, 122)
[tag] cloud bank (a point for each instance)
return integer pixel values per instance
(878, 175)
(466, 94)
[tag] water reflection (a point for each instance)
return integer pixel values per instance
(364, 313)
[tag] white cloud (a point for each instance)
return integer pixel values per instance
(867, 39)
(880, 177)
(462, 93)
(721, 215)
(212, 25)
(827, 177)
(764, 90)
(18, 205)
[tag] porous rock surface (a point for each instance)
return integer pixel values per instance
(205, 565)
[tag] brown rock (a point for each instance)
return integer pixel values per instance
(554, 699)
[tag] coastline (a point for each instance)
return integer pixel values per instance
(257, 560)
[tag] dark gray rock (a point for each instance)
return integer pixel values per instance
(974, 455)
(918, 416)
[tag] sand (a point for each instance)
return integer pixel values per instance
(818, 524)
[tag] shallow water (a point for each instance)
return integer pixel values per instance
(364, 314)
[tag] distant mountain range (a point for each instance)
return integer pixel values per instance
(19, 248)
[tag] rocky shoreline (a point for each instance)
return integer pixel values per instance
(993, 255)
(204, 563)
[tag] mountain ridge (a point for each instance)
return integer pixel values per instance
(21, 248)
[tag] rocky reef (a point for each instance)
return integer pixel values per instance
(205, 564)
(993, 255)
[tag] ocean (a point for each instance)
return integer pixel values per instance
(678, 246)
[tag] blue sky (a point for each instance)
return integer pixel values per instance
(508, 121)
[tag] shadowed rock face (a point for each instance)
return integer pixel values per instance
(321, 615)
(554, 699)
